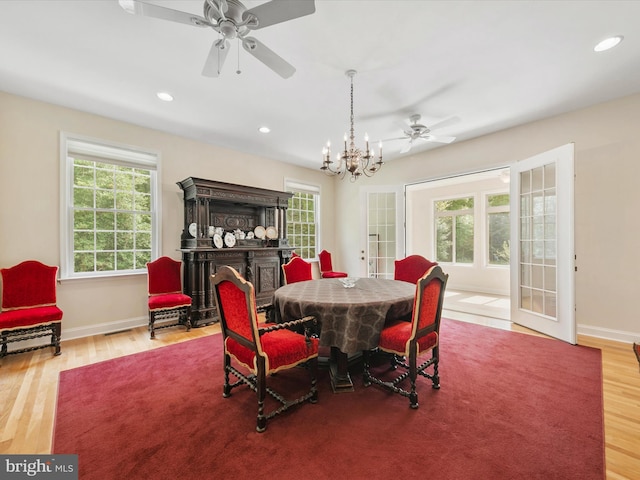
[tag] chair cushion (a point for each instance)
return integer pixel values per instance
(334, 275)
(170, 300)
(395, 339)
(282, 348)
(29, 317)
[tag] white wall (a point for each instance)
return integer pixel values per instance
(607, 201)
(29, 199)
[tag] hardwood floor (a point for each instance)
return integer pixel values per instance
(28, 386)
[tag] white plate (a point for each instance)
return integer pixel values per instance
(272, 233)
(229, 239)
(217, 240)
(193, 229)
(259, 232)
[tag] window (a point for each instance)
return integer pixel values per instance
(454, 230)
(498, 225)
(110, 215)
(302, 218)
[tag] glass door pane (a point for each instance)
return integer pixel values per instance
(381, 230)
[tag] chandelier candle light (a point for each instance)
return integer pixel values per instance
(352, 159)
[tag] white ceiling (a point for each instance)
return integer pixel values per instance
(489, 64)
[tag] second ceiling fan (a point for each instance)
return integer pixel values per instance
(416, 131)
(232, 20)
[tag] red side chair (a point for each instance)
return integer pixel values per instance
(166, 300)
(326, 267)
(29, 307)
(412, 268)
(296, 270)
(261, 350)
(412, 340)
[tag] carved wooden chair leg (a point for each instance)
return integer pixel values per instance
(55, 338)
(313, 371)
(226, 390)
(262, 391)
(366, 359)
(413, 374)
(152, 320)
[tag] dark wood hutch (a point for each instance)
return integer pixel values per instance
(208, 203)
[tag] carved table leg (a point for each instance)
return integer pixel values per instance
(339, 371)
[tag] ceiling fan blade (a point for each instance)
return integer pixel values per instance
(404, 126)
(278, 11)
(268, 57)
(394, 139)
(215, 60)
(407, 147)
(439, 139)
(136, 7)
(445, 123)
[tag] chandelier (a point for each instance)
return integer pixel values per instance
(353, 160)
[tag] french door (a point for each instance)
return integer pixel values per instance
(383, 233)
(542, 243)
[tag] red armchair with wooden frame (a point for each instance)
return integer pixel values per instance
(412, 268)
(296, 270)
(166, 300)
(412, 340)
(326, 266)
(29, 307)
(261, 350)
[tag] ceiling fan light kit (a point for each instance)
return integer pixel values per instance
(353, 160)
(232, 20)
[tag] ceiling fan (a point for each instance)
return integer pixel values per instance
(416, 131)
(232, 20)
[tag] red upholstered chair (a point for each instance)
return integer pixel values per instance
(413, 340)
(259, 350)
(326, 267)
(29, 307)
(166, 300)
(296, 270)
(411, 268)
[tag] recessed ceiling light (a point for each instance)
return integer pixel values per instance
(608, 43)
(264, 129)
(167, 97)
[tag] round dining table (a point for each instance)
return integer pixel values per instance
(350, 319)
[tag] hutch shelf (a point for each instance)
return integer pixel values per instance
(232, 209)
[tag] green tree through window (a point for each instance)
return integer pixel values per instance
(454, 227)
(498, 226)
(111, 212)
(302, 219)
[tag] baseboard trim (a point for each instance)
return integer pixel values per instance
(102, 328)
(607, 333)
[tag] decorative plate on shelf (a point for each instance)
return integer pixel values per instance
(217, 240)
(272, 233)
(259, 232)
(193, 229)
(229, 239)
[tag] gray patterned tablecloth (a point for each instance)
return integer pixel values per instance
(351, 318)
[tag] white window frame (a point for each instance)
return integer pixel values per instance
(294, 186)
(488, 210)
(454, 214)
(105, 152)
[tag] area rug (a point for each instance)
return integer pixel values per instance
(511, 406)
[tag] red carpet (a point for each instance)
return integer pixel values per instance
(511, 406)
